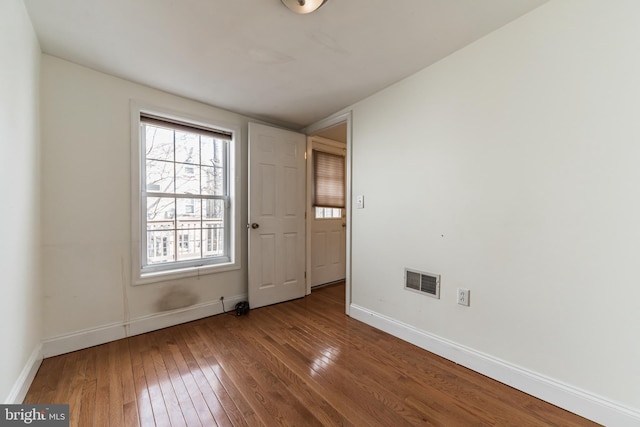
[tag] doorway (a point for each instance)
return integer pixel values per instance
(326, 210)
(270, 275)
(328, 227)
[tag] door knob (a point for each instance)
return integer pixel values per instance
(255, 225)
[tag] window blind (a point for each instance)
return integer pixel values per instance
(191, 128)
(328, 180)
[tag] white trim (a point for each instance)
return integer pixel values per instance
(573, 399)
(22, 384)
(114, 331)
(85, 338)
(182, 273)
(329, 145)
(332, 120)
(349, 117)
(308, 213)
(157, 321)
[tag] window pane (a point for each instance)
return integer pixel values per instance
(161, 212)
(188, 209)
(158, 143)
(160, 226)
(188, 240)
(213, 211)
(187, 179)
(160, 247)
(328, 213)
(212, 181)
(187, 147)
(213, 241)
(212, 151)
(159, 176)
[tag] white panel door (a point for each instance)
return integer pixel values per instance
(328, 241)
(277, 197)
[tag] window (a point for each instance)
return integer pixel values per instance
(328, 213)
(186, 217)
(328, 185)
(328, 180)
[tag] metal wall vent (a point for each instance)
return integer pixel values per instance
(422, 282)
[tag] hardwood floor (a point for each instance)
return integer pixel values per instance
(300, 363)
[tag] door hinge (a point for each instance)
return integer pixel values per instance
(305, 155)
(305, 214)
(305, 274)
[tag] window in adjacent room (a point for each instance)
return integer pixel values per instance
(328, 185)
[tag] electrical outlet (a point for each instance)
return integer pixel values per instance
(463, 296)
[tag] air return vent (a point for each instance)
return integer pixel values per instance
(425, 283)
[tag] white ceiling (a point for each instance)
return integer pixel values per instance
(258, 58)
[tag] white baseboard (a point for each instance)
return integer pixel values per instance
(85, 338)
(590, 406)
(21, 387)
(114, 331)
(157, 321)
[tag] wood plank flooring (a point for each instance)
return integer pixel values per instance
(301, 363)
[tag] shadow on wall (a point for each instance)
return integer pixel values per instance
(176, 298)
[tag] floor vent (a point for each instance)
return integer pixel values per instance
(422, 282)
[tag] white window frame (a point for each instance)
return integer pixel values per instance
(177, 270)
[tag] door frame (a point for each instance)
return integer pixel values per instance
(335, 119)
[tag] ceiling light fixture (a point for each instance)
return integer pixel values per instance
(303, 6)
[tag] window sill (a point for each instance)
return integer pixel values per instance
(163, 276)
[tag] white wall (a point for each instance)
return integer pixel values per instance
(512, 168)
(21, 300)
(87, 207)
